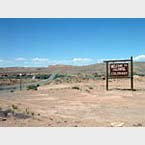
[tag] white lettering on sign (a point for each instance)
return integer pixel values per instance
(119, 69)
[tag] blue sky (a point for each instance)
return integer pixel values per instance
(43, 42)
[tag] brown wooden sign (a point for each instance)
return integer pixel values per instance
(119, 70)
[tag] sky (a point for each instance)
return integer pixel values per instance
(72, 41)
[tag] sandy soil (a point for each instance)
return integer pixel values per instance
(89, 106)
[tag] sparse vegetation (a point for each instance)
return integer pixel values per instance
(43, 76)
(59, 76)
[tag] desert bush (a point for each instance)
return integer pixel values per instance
(32, 87)
(87, 90)
(90, 87)
(27, 111)
(76, 88)
(137, 125)
(103, 78)
(32, 113)
(14, 107)
(96, 74)
(11, 91)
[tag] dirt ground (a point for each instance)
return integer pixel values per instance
(85, 104)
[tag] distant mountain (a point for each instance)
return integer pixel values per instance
(139, 68)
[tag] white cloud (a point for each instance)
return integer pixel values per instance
(4, 63)
(100, 60)
(44, 62)
(140, 58)
(20, 59)
(37, 59)
(82, 60)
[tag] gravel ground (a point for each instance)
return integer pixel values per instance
(90, 105)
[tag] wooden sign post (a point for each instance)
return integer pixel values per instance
(119, 69)
(106, 75)
(131, 67)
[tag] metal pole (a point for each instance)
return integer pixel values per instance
(131, 73)
(107, 76)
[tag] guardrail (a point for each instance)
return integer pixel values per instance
(24, 86)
